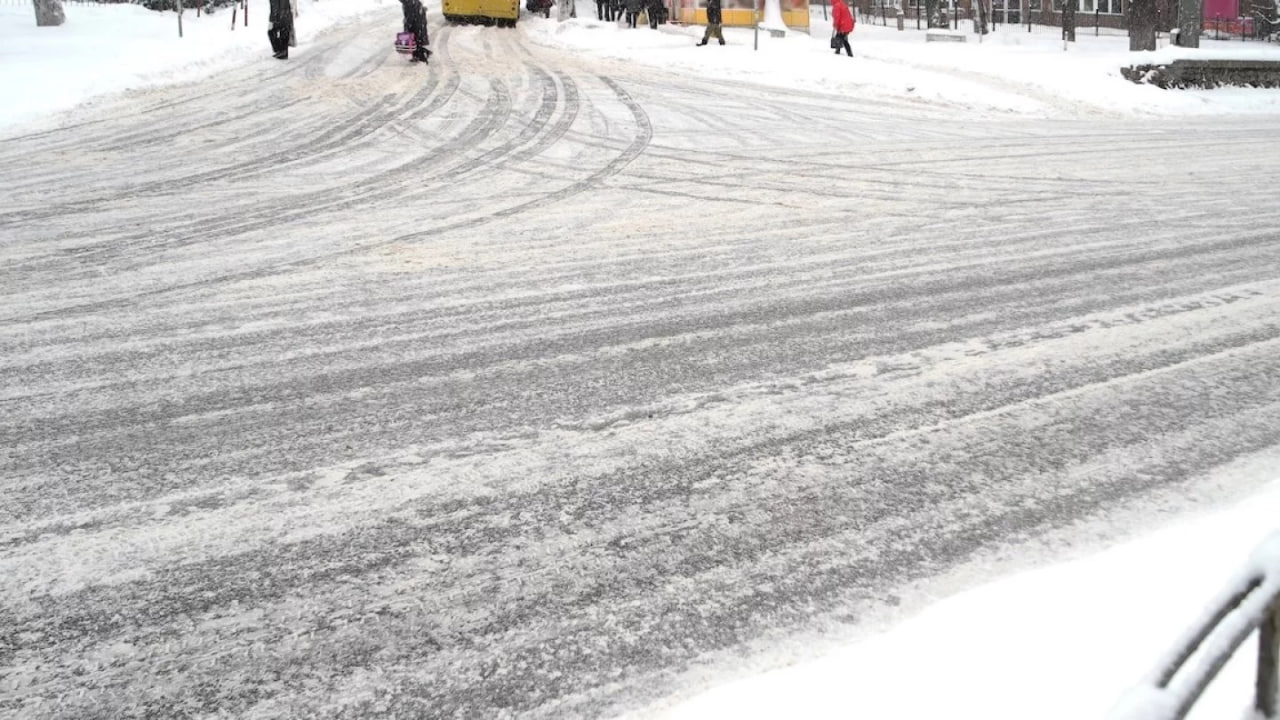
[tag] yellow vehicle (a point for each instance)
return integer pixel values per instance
(502, 13)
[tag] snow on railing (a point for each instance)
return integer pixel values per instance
(1251, 602)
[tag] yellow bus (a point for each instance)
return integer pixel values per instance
(502, 13)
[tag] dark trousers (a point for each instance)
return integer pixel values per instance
(631, 18)
(279, 37)
(418, 26)
(420, 41)
(653, 17)
(601, 5)
(420, 51)
(280, 27)
(843, 39)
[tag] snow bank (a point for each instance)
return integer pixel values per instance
(1061, 643)
(104, 49)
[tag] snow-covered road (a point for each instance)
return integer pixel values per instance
(526, 383)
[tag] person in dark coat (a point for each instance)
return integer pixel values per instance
(415, 21)
(280, 28)
(633, 11)
(842, 22)
(713, 23)
(655, 10)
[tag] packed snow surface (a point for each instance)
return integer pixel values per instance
(584, 369)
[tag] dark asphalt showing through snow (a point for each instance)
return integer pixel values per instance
(527, 384)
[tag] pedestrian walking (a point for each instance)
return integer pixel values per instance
(655, 11)
(842, 23)
(601, 7)
(615, 10)
(415, 21)
(280, 28)
(633, 11)
(713, 23)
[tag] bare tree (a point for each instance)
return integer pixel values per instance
(1189, 23)
(1143, 16)
(1069, 20)
(49, 13)
(981, 20)
(930, 12)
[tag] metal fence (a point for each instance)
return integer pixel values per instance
(1257, 27)
(1039, 21)
(1251, 602)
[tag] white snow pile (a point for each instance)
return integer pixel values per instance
(1062, 642)
(103, 49)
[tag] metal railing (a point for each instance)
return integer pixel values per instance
(1032, 19)
(1251, 602)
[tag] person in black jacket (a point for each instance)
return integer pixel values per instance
(713, 23)
(415, 21)
(280, 28)
(633, 11)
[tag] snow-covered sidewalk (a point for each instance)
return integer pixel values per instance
(1009, 71)
(1060, 643)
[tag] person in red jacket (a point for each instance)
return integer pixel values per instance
(842, 22)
